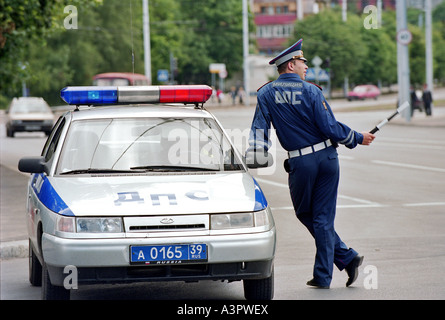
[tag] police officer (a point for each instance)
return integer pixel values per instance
(308, 130)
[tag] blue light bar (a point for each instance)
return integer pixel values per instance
(89, 95)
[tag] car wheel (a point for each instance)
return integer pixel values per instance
(9, 133)
(35, 268)
(259, 289)
(50, 291)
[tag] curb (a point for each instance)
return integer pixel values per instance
(14, 249)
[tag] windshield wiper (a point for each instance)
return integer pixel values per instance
(93, 170)
(172, 168)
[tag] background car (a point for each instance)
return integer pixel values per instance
(28, 114)
(362, 92)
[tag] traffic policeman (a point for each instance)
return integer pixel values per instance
(306, 127)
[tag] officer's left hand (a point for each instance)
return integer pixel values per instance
(367, 138)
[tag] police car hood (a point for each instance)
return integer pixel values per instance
(155, 194)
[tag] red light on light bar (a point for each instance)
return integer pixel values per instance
(184, 94)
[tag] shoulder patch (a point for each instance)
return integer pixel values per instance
(315, 85)
(263, 86)
(324, 104)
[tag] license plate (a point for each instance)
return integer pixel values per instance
(168, 254)
(31, 128)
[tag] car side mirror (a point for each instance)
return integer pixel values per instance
(258, 159)
(33, 165)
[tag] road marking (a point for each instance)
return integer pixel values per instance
(362, 202)
(343, 157)
(409, 166)
(407, 145)
(346, 206)
(272, 183)
(412, 142)
(356, 206)
(424, 204)
(375, 205)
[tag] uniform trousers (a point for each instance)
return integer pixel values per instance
(313, 184)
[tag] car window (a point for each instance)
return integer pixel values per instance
(53, 140)
(30, 106)
(111, 82)
(149, 144)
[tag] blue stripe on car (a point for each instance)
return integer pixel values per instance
(260, 199)
(49, 197)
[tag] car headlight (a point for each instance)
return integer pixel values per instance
(98, 225)
(239, 220)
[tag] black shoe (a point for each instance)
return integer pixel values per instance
(314, 284)
(352, 269)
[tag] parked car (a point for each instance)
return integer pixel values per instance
(28, 114)
(136, 192)
(362, 92)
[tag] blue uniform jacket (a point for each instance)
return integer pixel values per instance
(300, 115)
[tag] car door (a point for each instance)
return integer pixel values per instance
(34, 205)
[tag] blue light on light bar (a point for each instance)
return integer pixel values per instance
(89, 95)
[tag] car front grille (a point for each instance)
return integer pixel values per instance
(198, 222)
(173, 227)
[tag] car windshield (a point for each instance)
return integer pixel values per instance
(30, 106)
(111, 82)
(360, 89)
(145, 145)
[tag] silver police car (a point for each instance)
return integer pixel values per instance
(129, 188)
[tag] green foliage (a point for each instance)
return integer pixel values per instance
(36, 48)
(196, 32)
(24, 25)
(368, 55)
(326, 36)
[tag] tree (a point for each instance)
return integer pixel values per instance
(21, 24)
(380, 62)
(216, 37)
(108, 36)
(439, 42)
(327, 36)
(168, 30)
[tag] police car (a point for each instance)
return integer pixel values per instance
(130, 188)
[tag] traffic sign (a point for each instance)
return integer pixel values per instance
(323, 75)
(316, 61)
(217, 67)
(223, 74)
(162, 75)
(310, 74)
(317, 74)
(404, 37)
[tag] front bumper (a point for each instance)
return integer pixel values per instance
(230, 257)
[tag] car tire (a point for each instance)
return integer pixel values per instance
(35, 268)
(259, 289)
(50, 291)
(9, 133)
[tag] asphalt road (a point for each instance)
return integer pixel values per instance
(391, 209)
